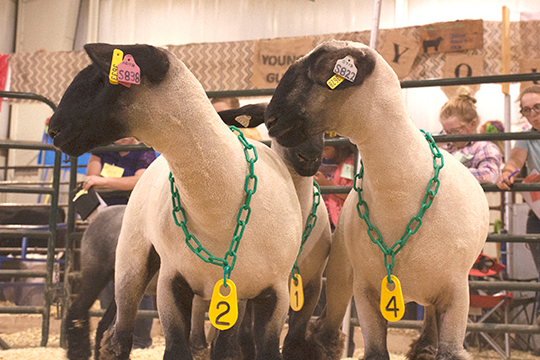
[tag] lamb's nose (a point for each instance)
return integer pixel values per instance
(53, 133)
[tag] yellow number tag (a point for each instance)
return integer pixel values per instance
(223, 311)
(111, 171)
(117, 57)
(334, 81)
(392, 305)
(297, 293)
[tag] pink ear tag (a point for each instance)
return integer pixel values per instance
(128, 72)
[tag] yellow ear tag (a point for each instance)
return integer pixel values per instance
(223, 311)
(117, 57)
(392, 305)
(334, 81)
(297, 293)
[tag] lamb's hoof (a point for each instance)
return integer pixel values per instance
(111, 350)
(325, 344)
(460, 354)
(78, 339)
(420, 350)
(201, 353)
(427, 353)
(298, 349)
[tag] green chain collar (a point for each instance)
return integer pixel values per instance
(416, 221)
(310, 224)
(250, 187)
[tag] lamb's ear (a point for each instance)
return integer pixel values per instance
(322, 61)
(153, 62)
(248, 116)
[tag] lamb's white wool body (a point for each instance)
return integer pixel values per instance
(398, 165)
(208, 163)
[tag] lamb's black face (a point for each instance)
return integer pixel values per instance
(306, 158)
(296, 111)
(85, 117)
(90, 112)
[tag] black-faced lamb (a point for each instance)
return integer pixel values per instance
(406, 188)
(210, 169)
(303, 162)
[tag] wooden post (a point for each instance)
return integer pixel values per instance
(505, 47)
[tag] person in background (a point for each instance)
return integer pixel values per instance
(459, 116)
(527, 152)
(121, 171)
(337, 168)
(221, 104)
(117, 170)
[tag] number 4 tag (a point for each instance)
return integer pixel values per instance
(392, 304)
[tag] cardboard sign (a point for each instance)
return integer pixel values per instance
(461, 65)
(399, 51)
(273, 57)
(452, 36)
(528, 66)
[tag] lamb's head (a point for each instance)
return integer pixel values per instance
(91, 112)
(302, 100)
(305, 158)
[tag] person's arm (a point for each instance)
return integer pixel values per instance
(121, 183)
(487, 162)
(323, 181)
(515, 162)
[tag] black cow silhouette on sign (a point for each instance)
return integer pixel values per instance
(432, 43)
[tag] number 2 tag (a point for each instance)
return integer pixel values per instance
(128, 72)
(223, 311)
(345, 68)
(296, 293)
(392, 304)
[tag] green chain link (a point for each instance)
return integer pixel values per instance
(250, 187)
(310, 224)
(414, 223)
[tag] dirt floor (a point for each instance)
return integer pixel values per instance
(23, 334)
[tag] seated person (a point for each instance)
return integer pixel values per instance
(117, 170)
(459, 116)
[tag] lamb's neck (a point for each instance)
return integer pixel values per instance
(205, 157)
(304, 189)
(393, 150)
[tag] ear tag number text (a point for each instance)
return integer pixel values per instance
(117, 57)
(296, 293)
(128, 72)
(223, 311)
(345, 68)
(392, 304)
(334, 81)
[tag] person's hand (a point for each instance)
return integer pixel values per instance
(322, 180)
(504, 180)
(93, 180)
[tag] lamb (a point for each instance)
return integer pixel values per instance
(303, 162)
(209, 168)
(98, 249)
(450, 218)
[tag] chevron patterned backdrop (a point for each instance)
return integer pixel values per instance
(227, 65)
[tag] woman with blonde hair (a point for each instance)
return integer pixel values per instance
(459, 116)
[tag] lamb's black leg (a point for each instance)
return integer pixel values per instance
(226, 344)
(295, 345)
(77, 320)
(270, 311)
(175, 298)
